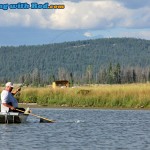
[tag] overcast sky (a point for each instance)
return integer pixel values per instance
(81, 19)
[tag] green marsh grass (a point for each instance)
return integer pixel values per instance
(103, 96)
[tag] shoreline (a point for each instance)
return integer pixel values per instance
(35, 105)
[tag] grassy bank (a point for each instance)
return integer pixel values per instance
(104, 96)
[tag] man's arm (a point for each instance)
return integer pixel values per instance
(9, 106)
(15, 92)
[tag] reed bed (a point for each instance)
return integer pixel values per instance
(103, 96)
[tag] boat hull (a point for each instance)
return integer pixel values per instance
(12, 117)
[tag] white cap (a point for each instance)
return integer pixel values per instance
(9, 84)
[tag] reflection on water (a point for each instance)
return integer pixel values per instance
(77, 129)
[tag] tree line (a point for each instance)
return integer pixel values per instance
(113, 74)
(110, 61)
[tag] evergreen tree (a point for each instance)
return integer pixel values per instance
(117, 74)
(71, 79)
(134, 76)
(110, 76)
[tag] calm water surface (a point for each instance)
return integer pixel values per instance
(78, 129)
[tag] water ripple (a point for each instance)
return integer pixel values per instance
(77, 129)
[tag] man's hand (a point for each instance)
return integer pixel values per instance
(12, 108)
(19, 89)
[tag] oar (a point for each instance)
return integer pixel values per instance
(48, 120)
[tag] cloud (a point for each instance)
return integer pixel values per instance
(82, 14)
(88, 34)
(89, 15)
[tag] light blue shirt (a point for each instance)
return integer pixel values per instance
(7, 97)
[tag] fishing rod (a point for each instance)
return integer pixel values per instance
(48, 120)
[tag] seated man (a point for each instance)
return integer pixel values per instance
(8, 102)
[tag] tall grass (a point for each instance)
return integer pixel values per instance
(106, 96)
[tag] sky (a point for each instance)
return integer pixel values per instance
(79, 20)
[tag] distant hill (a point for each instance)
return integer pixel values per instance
(73, 57)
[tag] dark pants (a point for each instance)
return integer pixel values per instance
(22, 109)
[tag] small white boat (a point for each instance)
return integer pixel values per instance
(13, 117)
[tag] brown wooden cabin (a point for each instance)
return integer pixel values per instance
(60, 83)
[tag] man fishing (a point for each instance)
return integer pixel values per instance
(8, 102)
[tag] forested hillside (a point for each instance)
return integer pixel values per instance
(82, 61)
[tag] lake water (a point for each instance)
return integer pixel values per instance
(80, 129)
